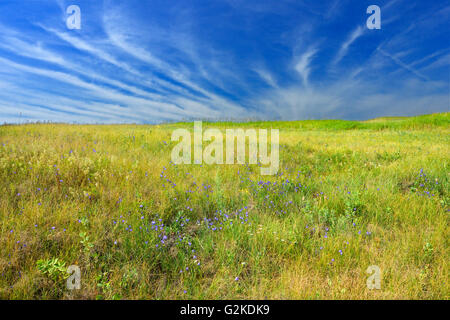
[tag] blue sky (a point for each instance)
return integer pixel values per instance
(140, 61)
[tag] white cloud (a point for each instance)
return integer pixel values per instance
(85, 46)
(28, 50)
(403, 65)
(356, 33)
(303, 65)
(266, 76)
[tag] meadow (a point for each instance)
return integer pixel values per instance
(108, 199)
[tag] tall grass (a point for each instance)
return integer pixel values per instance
(107, 198)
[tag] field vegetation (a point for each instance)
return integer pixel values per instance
(107, 198)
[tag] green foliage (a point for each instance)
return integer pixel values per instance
(87, 245)
(53, 268)
(428, 252)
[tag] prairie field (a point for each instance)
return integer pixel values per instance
(108, 199)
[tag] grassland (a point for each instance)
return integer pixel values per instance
(107, 198)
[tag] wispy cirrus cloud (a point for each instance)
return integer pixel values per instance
(303, 65)
(354, 35)
(403, 65)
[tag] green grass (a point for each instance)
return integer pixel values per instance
(92, 195)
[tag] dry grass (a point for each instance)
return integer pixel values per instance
(88, 195)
